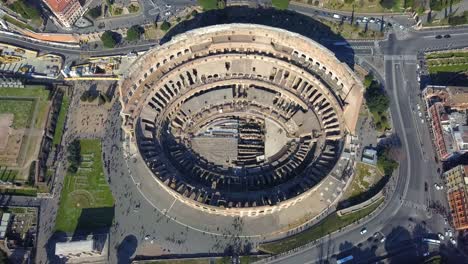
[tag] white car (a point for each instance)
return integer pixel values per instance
(402, 27)
(453, 241)
(363, 231)
(147, 237)
(441, 237)
(382, 239)
(437, 186)
(446, 232)
(450, 233)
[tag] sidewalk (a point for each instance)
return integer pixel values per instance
(346, 13)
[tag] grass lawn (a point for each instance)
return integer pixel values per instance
(19, 192)
(439, 55)
(61, 120)
(86, 202)
(383, 119)
(21, 109)
(39, 93)
(328, 225)
(359, 184)
(7, 175)
(17, 23)
(449, 68)
(364, 6)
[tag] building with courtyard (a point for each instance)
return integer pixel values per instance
(240, 119)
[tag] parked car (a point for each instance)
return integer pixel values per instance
(438, 37)
(363, 231)
(447, 36)
(441, 237)
(453, 241)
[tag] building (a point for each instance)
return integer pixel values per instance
(90, 249)
(369, 156)
(241, 119)
(4, 224)
(457, 194)
(446, 107)
(66, 11)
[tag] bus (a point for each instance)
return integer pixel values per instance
(431, 241)
(344, 260)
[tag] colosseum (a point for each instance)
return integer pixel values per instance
(240, 119)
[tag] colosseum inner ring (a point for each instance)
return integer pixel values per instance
(240, 119)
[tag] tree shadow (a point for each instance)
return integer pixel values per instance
(126, 249)
(288, 20)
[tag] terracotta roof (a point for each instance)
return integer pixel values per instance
(59, 5)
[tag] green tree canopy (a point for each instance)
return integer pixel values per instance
(208, 4)
(385, 162)
(109, 39)
(388, 4)
(376, 98)
(134, 33)
(165, 26)
(280, 4)
(95, 12)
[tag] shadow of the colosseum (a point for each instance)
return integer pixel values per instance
(288, 20)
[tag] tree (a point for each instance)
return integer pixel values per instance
(74, 156)
(376, 99)
(208, 4)
(133, 8)
(388, 4)
(109, 39)
(165, 26)
(385, 162)
(280, 4)
(95, 12)
(134, 33)
(368, 80)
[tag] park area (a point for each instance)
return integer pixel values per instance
(23, 114)
(86, 202)
(447, 62)
(365, 177)
(330, 224)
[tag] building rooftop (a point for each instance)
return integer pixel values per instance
(74, 247)
(58, 5)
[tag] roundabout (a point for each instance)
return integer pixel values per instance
(240, 120)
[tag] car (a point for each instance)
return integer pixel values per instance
(168, 6)
(426, 254)
(447, 36)
(438, 37)
(336, 16)
(363, 231)
(441, 237)
(402, 27)
(147, 237)
(382, 239)
(372, 20)
(420, 114)
(450, 233)
(453, 241)
(422, 121)
(358, 20)
(437, 186)
(446, 232)
(445, 221)
(425, 187)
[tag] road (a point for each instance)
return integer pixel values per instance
(406, 217)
